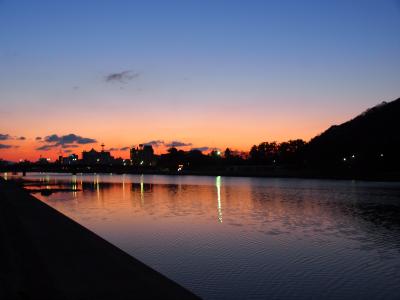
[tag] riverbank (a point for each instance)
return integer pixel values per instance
(45, 255)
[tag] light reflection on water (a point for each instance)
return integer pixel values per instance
(247, 237)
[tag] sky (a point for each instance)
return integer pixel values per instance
(196, 74)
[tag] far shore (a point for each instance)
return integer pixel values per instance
(243, 171)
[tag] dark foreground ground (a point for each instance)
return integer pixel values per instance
(45, 255)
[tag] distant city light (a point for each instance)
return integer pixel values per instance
(381, 154)
(142, 162)
(344, 159)
(353, 156)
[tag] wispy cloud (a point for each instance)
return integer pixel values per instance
(66, 146)
(45, 148)
(38, 138)
(206, 148)
(155, 143)
(118, 149)
(121, 77)
(178, 144)
(160, 143)
(21, 138)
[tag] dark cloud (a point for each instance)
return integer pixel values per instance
(155, 143)
(124, 148)
(4, 146)
(178, 144)
(68, 151)
(121, 77)
(51, 138)
(4, 137)
(68, 139)
(64, 141)
(86, 141)
(113, 149)
(38, 138)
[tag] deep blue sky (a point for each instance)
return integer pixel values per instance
(274, 69)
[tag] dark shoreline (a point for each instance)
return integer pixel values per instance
(46, 255)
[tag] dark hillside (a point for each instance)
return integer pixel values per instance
(372, 138)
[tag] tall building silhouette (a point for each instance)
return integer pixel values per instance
(143, 155)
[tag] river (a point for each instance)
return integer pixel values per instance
(246, 238)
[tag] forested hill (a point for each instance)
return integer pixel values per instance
(372, 136)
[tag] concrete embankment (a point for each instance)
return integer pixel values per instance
(45, 255)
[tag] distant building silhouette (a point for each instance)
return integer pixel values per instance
(69, 160)
(43, 161)
(94, 157)
(143, 155)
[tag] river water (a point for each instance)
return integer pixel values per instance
(246, 238)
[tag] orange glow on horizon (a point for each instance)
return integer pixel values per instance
(237, 130)
(26, 150)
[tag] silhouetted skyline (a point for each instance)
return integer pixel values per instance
(366, 138)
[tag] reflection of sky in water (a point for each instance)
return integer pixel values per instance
(247, 237)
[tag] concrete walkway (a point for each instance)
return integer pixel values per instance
(45, 255)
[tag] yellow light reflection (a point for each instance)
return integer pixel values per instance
(142, 189)
(97, 186)
(74, 185)
(218, 185)
(123, 186)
